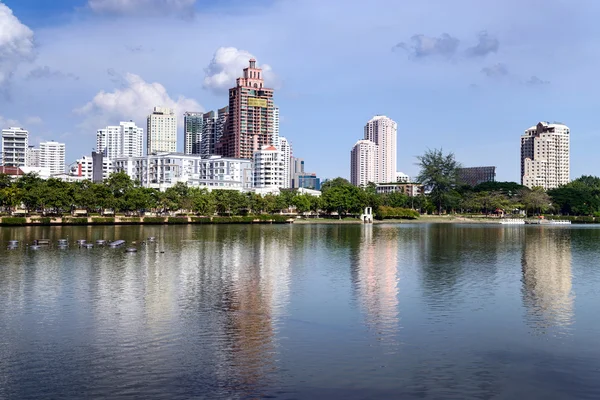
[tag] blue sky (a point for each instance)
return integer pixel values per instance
(464, 75)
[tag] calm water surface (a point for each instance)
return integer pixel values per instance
(296, 312)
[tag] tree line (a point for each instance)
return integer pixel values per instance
(120, 194)
(438, 173)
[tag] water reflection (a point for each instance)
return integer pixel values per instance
(375, 278)
(547, 278)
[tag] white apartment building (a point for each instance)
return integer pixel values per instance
(84, 167)
(286, 155)
(401, 177)
(163, 170)
(161, 131)
(125, 140)
(269, 168)
(383, 131)
(545, 155)
(52, 156)
(33, 157)
(15, 144)
(364, 163)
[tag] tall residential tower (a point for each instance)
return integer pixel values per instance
(193, 124)
(162, 131)
(545, 155)
(383, 131)
(250, 123)
(15, 145)
(364, 163)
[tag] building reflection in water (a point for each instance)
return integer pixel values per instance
(259, 267)
(547, 279)
(375, 275)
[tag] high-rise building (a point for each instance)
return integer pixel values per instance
(364, 163)
(161, 131)
(268, 168)
(276, 126)
(383, 131)
(108, 141)
(250, 123)
(545, 155)
(15, 144)
(33, 157)
(132, 140)
(52, 156)
(286, 154)
(124, 140)
(296, 169)
(473, 176)
(193, 125)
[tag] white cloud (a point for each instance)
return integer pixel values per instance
(227, 65)
(142, 7)
(7, 122)
(16, 44)
(34, 120)
(132, 102)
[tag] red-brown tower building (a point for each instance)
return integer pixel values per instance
(250, 123)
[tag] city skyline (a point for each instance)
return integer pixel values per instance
(464, 73)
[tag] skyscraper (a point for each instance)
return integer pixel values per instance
(193, 125)
(52, 156)
(250, 124)
(276, 126)
(15, 144)
(124, 140)
(162, 131)
(212, 131)
(545, 155)
(286, 154)
(364, 163)
(383, 131)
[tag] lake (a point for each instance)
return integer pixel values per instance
(410, 311)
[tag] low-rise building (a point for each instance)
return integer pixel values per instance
(409, 189)
(163, 170)
(84, 167)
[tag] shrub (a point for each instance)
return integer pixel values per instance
(200, 220)
(177, 220)
(14, 221)
(106, 220)
(75, 221)
(42, 220)
(130, 220)
(385, 212)
(154, 220)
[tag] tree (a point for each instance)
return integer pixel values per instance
(439, 174)
(202, 201)
(536, 200)
(302, 203)
(343, 198)
(11, 196)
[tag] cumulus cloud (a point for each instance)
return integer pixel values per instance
(133, 101)
(142, 7)
(16, 44)
(422, 46)
(486, 44)
(227, 65)
(46, 72)
(535, 81)
(495, 71)
(8, 122)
